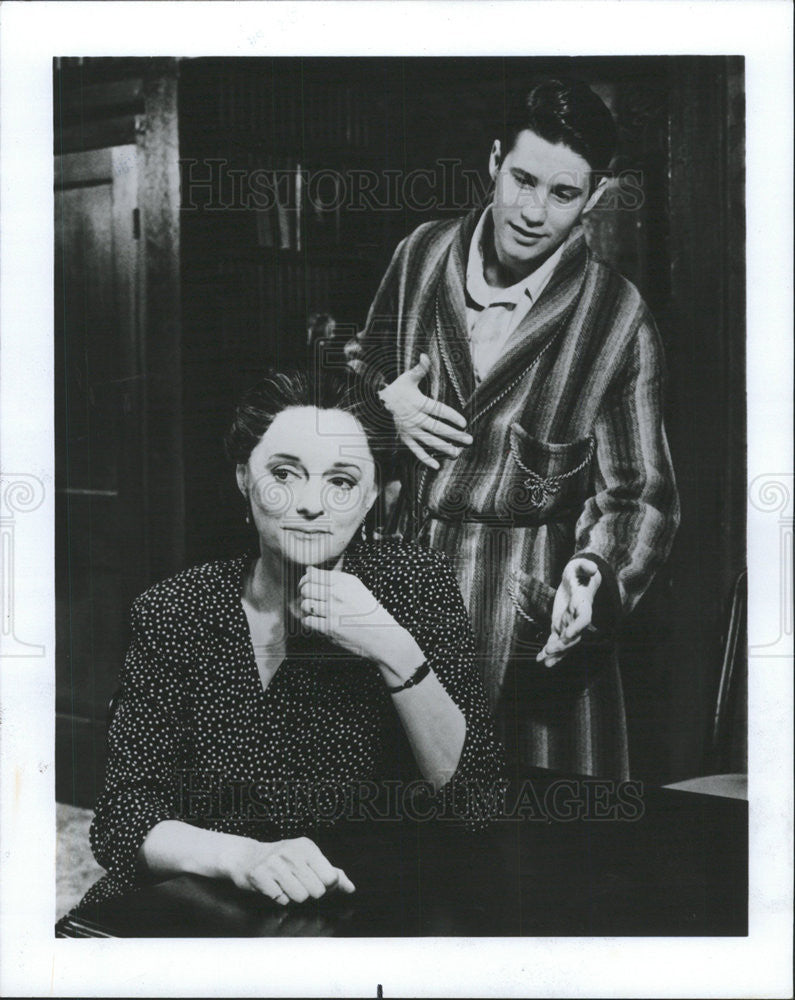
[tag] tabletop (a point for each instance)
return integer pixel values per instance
(574, 856)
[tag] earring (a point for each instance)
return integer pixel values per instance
(363, 532)
(248, 516)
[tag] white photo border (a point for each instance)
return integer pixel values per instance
(32, 962)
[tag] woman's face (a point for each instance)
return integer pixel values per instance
(310, 481)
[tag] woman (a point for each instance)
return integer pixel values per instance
(325, 660)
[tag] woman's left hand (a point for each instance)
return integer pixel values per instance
(339, 605)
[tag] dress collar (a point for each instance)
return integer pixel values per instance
(219, 607)
(220, 591)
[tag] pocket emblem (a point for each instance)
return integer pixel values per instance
(541, 490)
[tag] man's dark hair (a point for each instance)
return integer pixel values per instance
(567, 111)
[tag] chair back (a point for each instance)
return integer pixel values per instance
(727, 750)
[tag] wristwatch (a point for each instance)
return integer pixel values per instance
(419, 674)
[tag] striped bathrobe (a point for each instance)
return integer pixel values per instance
(569, 458)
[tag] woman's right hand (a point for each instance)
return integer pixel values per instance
(286, 870)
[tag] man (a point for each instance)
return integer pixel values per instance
(524, 375)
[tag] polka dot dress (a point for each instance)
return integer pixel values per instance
(196, 737)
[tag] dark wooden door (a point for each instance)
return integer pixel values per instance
(100, 473)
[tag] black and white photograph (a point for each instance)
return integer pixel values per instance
(413, 571)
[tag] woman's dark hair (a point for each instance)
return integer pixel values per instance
(259, 406)
(563, 110)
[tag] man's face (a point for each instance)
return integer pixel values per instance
(541, 190)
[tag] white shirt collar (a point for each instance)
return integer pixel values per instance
(481, 291)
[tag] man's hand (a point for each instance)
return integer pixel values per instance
(572, 609)
(423, 422)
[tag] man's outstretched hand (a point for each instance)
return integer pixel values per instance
(423, 423)
(572, 609)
